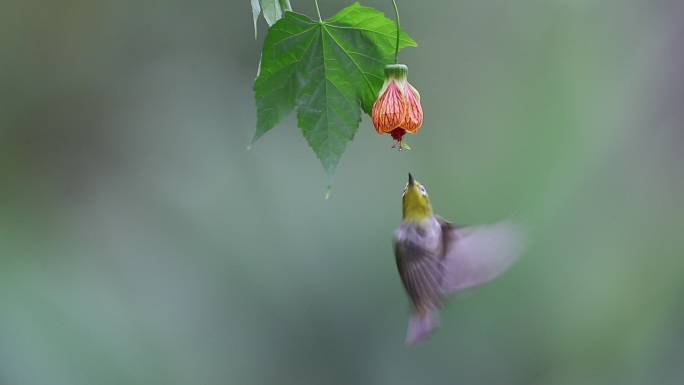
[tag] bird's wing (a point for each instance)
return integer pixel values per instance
(421, 275)
(476, 255)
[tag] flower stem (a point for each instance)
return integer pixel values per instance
(396, 52)
(318, 11)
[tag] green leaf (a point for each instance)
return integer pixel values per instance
(273, 11)
(327, 70)
(256, 10)
(285, 5)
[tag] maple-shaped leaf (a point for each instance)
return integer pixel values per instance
(328, 70)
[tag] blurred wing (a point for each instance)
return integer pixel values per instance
(476, 255)
(421, 275)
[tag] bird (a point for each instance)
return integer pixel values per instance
(436, 258)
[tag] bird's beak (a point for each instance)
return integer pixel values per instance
(411, 181)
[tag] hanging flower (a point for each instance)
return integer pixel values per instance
(397, 109)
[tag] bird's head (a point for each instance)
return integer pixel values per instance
(415, 203)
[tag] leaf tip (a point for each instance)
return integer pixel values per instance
(256, 137)
(249, 146)
(256, 10)
(331, 179)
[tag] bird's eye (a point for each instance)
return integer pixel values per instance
(405, 188)
(423, 191)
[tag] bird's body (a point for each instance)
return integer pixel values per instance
(436, 258)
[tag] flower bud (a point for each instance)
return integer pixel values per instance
(397, 109)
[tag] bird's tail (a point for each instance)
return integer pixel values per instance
(421, 325)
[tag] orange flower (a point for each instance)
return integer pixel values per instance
(397, 109)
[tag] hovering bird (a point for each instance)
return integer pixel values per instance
(436, 258)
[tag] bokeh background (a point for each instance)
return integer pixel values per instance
(142, 243)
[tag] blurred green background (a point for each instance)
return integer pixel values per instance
(141, 243)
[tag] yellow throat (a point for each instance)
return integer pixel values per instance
(415, 203)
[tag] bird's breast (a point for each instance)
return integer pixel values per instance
(414, 240)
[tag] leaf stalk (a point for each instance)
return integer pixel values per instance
(320, 19)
